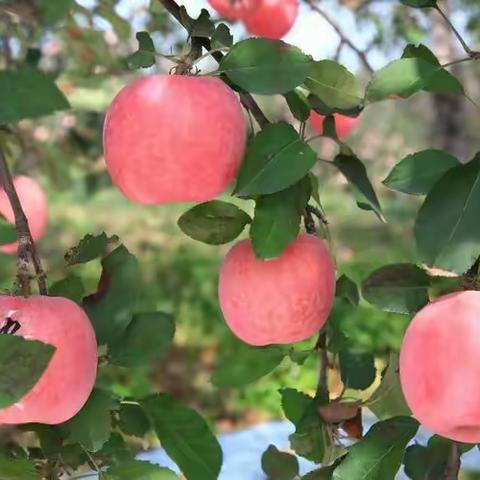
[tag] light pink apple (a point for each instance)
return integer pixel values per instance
(344, 125)
(272, 19)
(440, 366)
(67, 382)
(279, 301)
(34, 203)
(173, 138)
(233, 9)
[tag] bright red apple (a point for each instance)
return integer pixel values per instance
(34, 203)
(233, 9)
(440, 366)
(272, 18)
(344, 125)
(67, 382)
(173, 138)
(279, 301)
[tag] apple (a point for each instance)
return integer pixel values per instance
(174, 138)
(279, 301)
(440, 366)
(233, 9)
(344, 125)
(68, 380)
(34, 204)
(272, 19)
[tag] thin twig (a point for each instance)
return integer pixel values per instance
(247, 100)
(456, 62)
(361, 54)
(455, 31)
(321, 346)
(26, 244)
(452, 469)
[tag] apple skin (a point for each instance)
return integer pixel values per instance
(279, 301)
(34, 204)
(233, 9)
(172, 138)
(272, 19)
(440, 366)
(67, 382)
(344, 125)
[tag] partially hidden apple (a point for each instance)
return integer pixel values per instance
(440, 366)
(68, 380)
(343, 124)
(279, 301)
(174, 138)
(233, 9)
(34, 204)
(272, 19)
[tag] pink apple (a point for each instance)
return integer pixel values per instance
(440, 366)
(344, 125)
(173, 138)
(278, 301)
(272, 18)
(67, 382)
(233, 9)
(34, 203)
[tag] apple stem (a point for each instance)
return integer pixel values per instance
(321, 346)
(453, 466)
(247, 100)
(26, 244)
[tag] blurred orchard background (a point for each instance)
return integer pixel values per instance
(88, 53)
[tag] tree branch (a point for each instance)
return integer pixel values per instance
(26, 244)
(321, 346)
(453, 466)
(344, 39)
(247, 100)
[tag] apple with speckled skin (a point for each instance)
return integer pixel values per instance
(272, 19)
(279, 301)
(34, 204)
(440, 366)
(68, 380)
(233, 9)
(343, 124)
(174, 138)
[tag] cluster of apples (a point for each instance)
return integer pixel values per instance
(265, 18)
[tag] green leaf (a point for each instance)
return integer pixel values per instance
(324, 473)
(279, 465)
(388, 401)
(133, 420)
(266, 67)
(379, 455)
(147, 337)
(275, 159)
(420, 51)
(89, 248)
(357, 369)
(52, 11)
(356, 173)
(22, 363)
(110, 308)
(214, 222)
(334, 85)
(294, 404)
(70, 287)
(447, 230)
(222, 37)
(246, 364)
(138, 470)
(417, 173)
(419, 3)
(347, 289)
(399, 288)
(28, 93)
(144, 57)
(185, 436)
(323, 109)
(91, 426)
(8, 232)
(17, 469)
(277, 219)
(298, 105)
(407, 76)
(202, 26)
(50, 439)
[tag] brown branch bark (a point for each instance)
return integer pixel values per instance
(247, 100)
(321, 346)
(453, 466)
(26, 245)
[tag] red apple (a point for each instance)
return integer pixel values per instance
(233, 9)
(34, 203)
(67, 382)
(440, 366)
(173, 138)
(278, 301)
(272, 18)
(344, 125)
